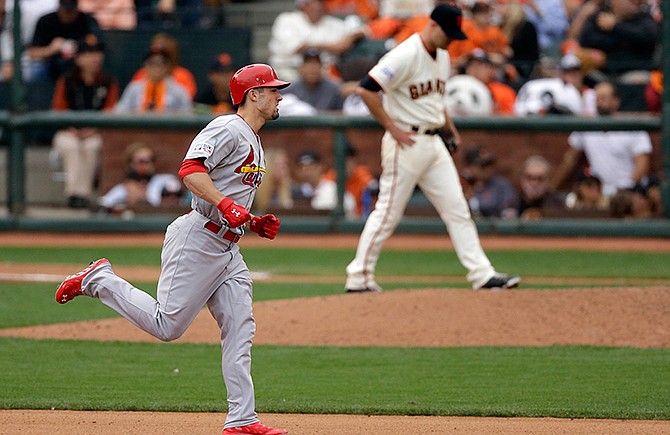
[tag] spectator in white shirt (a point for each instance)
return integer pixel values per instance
(620, 159)
(310, 27)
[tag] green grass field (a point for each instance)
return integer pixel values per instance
(560, 381)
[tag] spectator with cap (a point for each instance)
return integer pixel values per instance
(313, 87)
(163, 42)
(85, 86)
(314, 187)
(571, 72)
(620, 159)
(158, 92)
(483, 68)
(55, 40)
(565, 94)
(308, 26)
(490, 193)
(215, 98)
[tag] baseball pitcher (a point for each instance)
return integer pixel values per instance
(405, 94)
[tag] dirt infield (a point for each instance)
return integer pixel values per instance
(604, 316)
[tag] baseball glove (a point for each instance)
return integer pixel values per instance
(448, 140)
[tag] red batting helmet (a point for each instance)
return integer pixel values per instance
(257, 75)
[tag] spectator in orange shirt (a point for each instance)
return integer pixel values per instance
(158, 92)
(653, 92)
(481, 66)
(481, 34)
(365, 9)
(166, 43)
(359, 181)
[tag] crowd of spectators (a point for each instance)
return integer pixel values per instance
(521, 58)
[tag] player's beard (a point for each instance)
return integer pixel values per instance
(275, 114)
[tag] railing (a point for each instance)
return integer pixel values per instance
(20, 123)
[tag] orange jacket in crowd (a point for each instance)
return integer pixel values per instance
(490, 39)
(179, 74)
(357, 182)
(504, 97)
(365, 9)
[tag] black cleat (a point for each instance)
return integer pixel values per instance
(371, 289)
(501, 281)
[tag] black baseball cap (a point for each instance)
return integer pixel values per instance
(90, 43)
(68, 4)
(223, 63)
(449, 17)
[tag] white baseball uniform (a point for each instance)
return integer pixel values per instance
(414, 84)
(201, 266)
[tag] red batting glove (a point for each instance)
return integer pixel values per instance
(265, 226)
(235, 214)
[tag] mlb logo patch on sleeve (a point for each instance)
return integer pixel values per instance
(205, 148)
(387, 72)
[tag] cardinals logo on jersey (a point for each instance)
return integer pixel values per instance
(252, 174)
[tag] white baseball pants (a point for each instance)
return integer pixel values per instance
(429, 165)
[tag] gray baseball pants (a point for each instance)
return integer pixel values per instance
(198, 267)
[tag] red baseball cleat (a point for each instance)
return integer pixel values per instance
(70, 288)
(254, 429)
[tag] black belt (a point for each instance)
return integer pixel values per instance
(228, 235)
(431, 132)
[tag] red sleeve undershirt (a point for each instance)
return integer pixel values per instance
(190, 166)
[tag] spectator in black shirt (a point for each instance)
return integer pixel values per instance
(55, 40)
(215, 99)
(626, 34)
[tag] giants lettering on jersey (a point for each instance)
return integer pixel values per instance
(252, 174)
(423, 89)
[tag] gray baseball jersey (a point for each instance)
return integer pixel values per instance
(234, 158)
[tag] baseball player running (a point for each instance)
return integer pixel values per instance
(201, 262)
(412, 77)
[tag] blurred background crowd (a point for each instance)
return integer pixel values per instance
(523, 58)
